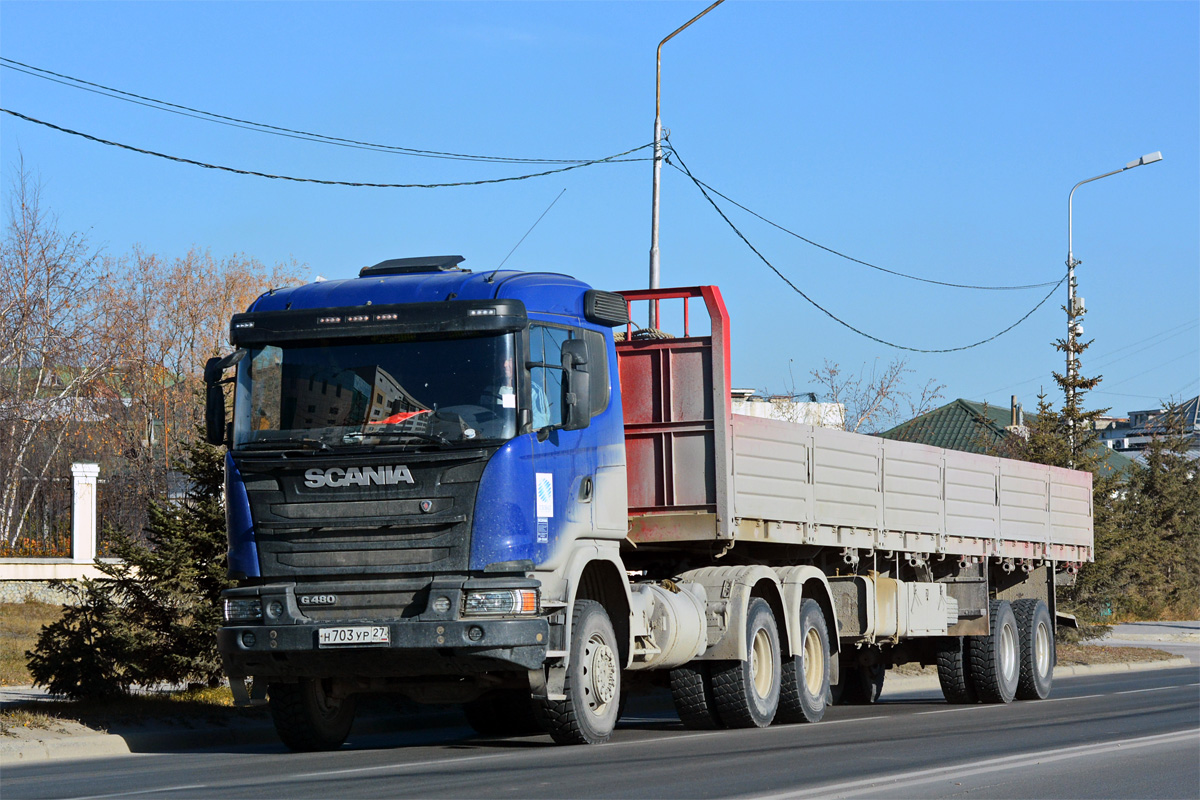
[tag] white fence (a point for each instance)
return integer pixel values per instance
(19, 577)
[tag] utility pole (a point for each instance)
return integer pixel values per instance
(1075, 305)
(658, 158)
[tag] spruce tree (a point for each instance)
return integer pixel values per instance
(153, 617)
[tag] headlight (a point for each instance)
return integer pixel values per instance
(243, 609)
(501, 602)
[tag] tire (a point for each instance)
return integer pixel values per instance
(805, 677)
(692, 692)
(1037, 649)
(995, 660)
(502, 712)
(953, 672)
(593, 682)
(746, 693)
(306, 718)
(859, 684)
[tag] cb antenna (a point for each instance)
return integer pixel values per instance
(492, 277)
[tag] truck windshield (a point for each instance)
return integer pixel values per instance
(347, 393)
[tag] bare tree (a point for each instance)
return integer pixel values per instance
(876, 398)
(50, 360)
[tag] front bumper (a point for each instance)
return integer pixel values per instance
(426, 645)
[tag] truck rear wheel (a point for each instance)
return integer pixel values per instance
(593, 682)
(995, 659)
(858, 684)
(747, 692)
(692, 691)
(1037, 649)
(307, 718)
(805, 678)
(502, 712)
(953, 673)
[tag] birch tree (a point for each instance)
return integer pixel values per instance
(51, 353)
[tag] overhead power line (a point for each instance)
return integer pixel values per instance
(259, 127)
(608, 160)
(829, 313)
(858, 260)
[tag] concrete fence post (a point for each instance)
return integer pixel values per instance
(83, 512)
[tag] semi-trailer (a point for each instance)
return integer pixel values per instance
(493, 489)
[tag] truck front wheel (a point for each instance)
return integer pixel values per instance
(805, 687)
(593, 681)
(307, 717)
(747, 692)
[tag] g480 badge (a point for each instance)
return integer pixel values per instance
(317, 599)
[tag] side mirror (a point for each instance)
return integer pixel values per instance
(214, 396)
(576, 401)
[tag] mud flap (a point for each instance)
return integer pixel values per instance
(256, 696)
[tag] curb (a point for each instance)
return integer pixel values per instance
(107, 745)
(914, 683)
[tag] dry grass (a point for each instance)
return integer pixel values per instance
(19, 627)
(21, 719)
(1079, 654)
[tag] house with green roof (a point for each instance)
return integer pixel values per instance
(977, 428)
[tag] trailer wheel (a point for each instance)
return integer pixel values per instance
(692, 692)
(858, 684)
(307, 718)
(747, 692)
(1037, 649)
(805, 679)
(593, 682)
(953, 672)
(502, 712)
(995, 659)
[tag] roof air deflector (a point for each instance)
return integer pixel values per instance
(408, 266)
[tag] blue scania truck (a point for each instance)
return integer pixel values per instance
(492, 489)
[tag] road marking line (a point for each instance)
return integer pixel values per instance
(903, 780)
(1154, 689)
(1080, 697)
(143, 791)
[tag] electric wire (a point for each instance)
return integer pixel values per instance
(858, 260)
(829, 313)
(1103, 359)
(179, 159)
(260, 127)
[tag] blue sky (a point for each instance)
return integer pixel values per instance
(938, 139)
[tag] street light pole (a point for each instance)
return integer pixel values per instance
(658, 156)
(1074, 309)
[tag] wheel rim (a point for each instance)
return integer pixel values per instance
(1041, 648)
(762, 663)
(814, 662)
(1008, 652)
(601, 666)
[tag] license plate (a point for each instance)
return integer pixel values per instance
(357, 635)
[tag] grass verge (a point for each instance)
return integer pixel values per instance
(20, 624)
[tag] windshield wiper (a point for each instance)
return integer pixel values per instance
(303, 442)
(436, 438)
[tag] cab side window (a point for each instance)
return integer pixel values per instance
(545, 373)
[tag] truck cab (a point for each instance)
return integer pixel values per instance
(417, 458)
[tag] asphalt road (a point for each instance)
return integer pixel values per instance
(1127, 735)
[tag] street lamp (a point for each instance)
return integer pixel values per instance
(658, 156)
(1074, 306)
